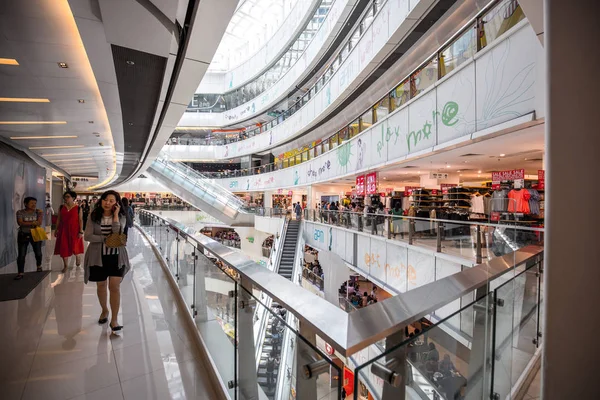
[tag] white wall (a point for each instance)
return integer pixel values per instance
(335, 271)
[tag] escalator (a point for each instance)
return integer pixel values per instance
(200, 191)
(270, 358)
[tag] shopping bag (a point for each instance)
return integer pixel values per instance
(38, 234)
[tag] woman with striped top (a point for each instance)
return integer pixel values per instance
(106, 265)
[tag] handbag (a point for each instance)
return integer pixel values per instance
(38, 234)
(116, 240)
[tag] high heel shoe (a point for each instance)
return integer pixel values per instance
(116, 328)
(104, 320)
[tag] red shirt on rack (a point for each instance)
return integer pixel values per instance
(519, 202)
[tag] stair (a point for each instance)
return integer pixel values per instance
(286, 266)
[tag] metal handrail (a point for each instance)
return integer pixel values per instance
(201, 181)
(349, 333)
(406, 217)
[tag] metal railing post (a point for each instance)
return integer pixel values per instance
(411, 229)
(389, 225)
(479, 258)
(439, 237)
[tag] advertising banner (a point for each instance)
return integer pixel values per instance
(408, 190)
(541, 179)
(445, 186)
(510, 175)
(372, 183)
(360, 185)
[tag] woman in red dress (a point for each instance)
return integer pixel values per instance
(69, 231)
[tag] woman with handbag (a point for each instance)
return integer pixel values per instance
(106, 260)
(28, 218)
(69, 231)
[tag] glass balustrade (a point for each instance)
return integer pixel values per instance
(455, 338)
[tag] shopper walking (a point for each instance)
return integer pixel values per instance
(69, 231)
(28, 218)
(128, 210)
(106, 265)
(298, 209)
(85, 211)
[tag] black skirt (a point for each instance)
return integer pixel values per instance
(110, 267)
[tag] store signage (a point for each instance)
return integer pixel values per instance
(438, 175)
(445, 186)
(510, 175)
(434, 192)
(408, 190)
(389, 190)
(383, 194)
(541, 179)
(372, 183)
(348, 381)
(360, 185)
(495, 216)
(290, 193)
(328, 349)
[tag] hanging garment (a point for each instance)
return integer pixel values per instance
(499, 200)
(487, 204)
(477, 204)
(534, 201)
(519, 201)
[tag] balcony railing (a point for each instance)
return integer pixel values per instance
(494, 20)
(467, 335)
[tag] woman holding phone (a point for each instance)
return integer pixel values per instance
(103, 264)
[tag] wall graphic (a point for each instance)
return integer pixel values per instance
(21, 177)
(447, 111)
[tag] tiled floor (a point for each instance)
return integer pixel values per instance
(535, 389)
(53, 348)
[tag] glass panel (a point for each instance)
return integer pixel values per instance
(215, 313)
(423, 78)
(461, 50)
(186, 270)
(354, 128)
(499, 20)
(382, 109)
(401, 94)
(366, 119)
(334, 140)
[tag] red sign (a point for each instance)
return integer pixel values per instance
(372, 183)
(360, 185)
(382, 194)
(495, 216)
(348, 381)
(445, 186)
(541, 179)
(408, 190)
(434, 192)
(328, 349)
(511, 175)
(389, 190)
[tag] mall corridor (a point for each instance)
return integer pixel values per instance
(58, 350)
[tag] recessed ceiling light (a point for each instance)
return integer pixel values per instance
(525, 159)
(478, 172)
(33, 122)
(129, 62)
(56, 147)
(71, 159)
(81, 101)
(23, 100)
(502, 155)
(8, 61)
(447, 166)
(458, 170)
(478, 175)
(63, 65)
(384, 177)
(41, 137)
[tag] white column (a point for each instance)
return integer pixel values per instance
(572, 269)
